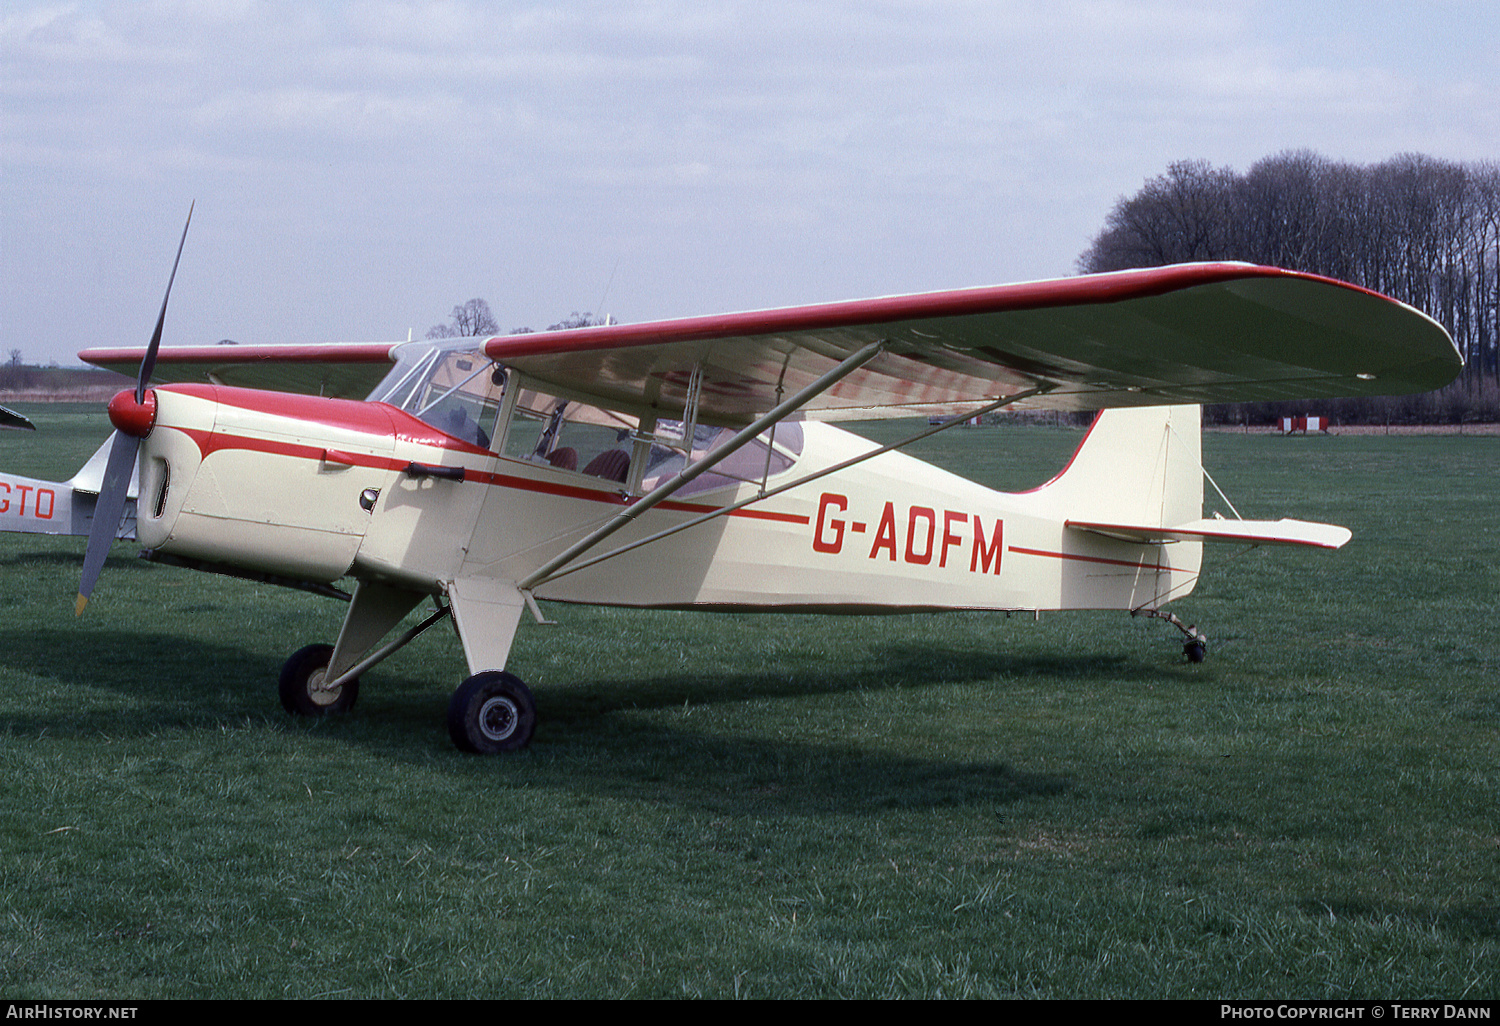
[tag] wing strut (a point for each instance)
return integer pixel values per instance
(629, 513)
(723, 510)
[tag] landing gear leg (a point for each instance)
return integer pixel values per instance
(1196, 645)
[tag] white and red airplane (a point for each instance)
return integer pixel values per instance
(690, 464)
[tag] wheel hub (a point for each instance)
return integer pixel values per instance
(318, 689)
(498, 718)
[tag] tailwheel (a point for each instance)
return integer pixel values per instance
(303, 685)
(491, 712)
(1196, 645)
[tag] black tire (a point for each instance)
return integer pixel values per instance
(1195, 650)
(301, 684)
(491, 712)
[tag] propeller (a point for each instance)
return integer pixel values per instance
(133, 416)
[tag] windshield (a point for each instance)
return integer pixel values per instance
(448, 384)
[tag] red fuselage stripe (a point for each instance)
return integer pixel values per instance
(1086, 559)
(211, 441)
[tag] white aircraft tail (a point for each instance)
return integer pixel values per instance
(32, 506)
(1139, 466)
(1138, 476)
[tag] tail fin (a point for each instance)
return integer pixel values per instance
(1139, 465)
(1138, 476)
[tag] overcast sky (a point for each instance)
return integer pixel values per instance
(360, 168)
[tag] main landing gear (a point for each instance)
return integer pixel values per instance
(304, 684)
(491, 712)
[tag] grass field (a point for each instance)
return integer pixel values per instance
(775, 806)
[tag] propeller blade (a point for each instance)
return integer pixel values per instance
(107, 513)
(148, 364)
(122, 454)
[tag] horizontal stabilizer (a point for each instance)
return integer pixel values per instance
(12, 419)
(1248, 532)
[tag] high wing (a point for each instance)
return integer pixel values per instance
(1191, 333)
(344, 370)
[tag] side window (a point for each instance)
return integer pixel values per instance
(765, 457)
(462, 397)
(601, 443)
(570, 436)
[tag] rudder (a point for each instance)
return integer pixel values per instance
(1138, 465)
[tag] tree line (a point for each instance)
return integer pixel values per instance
(475, 318)
(1418, 229)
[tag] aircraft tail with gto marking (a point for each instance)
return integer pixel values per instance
(32, 506)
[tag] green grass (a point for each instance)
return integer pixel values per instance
(787, 806)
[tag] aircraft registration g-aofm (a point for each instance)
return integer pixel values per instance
(690, 464)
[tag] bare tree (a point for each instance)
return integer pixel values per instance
(1180, 216)
(1486, 189)
(471, 319)
(1279, 215)
(1422, 230)
(577, 320)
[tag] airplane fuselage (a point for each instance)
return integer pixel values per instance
(319, 489)
(35, 507)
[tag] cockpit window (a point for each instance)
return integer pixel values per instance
(456, 390)
(570, 435)
(602, 443)
(455, 387)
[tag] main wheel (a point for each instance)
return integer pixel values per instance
(491, 712)
(1196, 650)
(302, 687)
